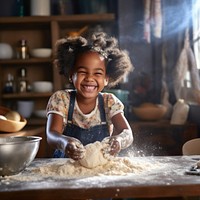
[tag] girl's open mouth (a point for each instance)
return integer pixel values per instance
(88, 88)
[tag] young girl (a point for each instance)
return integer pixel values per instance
(85, 115)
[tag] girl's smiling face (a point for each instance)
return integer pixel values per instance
(89, 74)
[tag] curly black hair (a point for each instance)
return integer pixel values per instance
(118, 63)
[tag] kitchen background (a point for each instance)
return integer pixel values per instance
(162, 38)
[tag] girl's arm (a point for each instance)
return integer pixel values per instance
(122, 136)
(54, 129)
(120, 123)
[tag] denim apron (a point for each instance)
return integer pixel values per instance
(86, 136)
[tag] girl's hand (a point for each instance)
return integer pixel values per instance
(118, 142)
(75, 149)
(114, 145)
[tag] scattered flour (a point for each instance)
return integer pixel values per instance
(94, 163)
(73, 169)
(70, 169)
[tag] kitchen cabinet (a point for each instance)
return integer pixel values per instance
(41, 32)
(161, 138)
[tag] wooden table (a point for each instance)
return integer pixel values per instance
(168, 181)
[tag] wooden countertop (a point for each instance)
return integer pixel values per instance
(168, 181)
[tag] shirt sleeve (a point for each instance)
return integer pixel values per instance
(113, 105)
(58, 103)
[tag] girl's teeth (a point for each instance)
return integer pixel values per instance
(89, 88)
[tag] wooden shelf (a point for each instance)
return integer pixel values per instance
(59, 18)
(26, 95)
(45, 22)
(25, 61)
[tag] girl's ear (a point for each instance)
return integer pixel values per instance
(106, 81)
(70, 78)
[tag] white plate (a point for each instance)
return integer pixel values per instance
(41, 53)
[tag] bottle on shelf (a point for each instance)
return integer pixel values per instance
(22, 49)
(9, 86)
(22, 84)
(20, 8)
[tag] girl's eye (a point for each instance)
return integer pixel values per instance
(99, 73)
(81, 72)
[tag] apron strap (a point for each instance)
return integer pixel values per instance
(102, 109)
(71, 107)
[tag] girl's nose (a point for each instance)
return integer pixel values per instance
(89, 76)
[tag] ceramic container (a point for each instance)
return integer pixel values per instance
(7, 125)
(40, 7)
(41, 52)
(150, 111)
(25, 108)
(42, 86)
(6, 51)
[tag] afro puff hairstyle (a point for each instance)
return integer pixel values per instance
(118, 63)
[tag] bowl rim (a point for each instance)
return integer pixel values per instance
(10, 139)
(150, 106)
(22, 121)
(41, 49)
(35, 82)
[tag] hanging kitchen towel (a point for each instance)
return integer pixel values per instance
(186, 63)
(147, 27)
(152, 19)
(157, 18)
(180, 70)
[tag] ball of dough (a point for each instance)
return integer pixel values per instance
(13, 115)
(3, 117)
(93, 156)
(198, 164)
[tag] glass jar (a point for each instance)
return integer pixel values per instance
(22, 84)
(22, 50)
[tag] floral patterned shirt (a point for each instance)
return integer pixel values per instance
(59, 101)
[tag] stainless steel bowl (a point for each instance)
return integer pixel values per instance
(16, 153)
